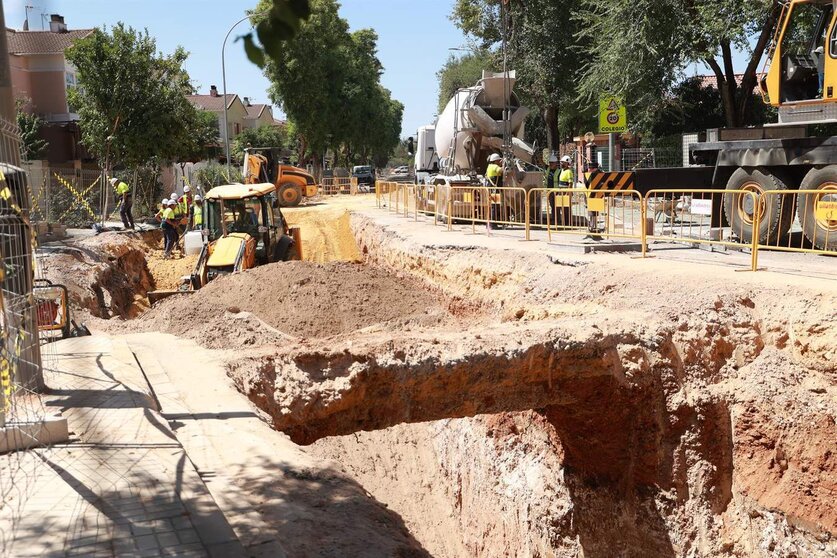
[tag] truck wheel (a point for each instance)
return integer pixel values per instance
(282, 250)
(775, 212)
(289, 194)
(820, 227)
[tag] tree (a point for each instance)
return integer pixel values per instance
(462, 71)
(541, 46)
(131, 99)
(266, 135)
(32, 146)
(638, 48)
(202, 140)
(327, 80)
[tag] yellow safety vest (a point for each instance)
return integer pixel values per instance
(168, 213)
(565, 179)
(197, 214)
(122, 188)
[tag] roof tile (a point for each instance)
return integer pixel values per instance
(43, 42)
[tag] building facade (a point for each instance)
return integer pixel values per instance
(41, 78)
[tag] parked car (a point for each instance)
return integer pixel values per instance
(365, 177)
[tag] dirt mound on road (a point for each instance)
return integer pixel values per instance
(306, 300)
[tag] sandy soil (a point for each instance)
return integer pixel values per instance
(697, 417)
(326, 232)
(301, 300)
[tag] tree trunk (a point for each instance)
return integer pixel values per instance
(726, 98)
(550, 117)
(750, 78)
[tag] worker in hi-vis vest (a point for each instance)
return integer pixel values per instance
(123, 194)
(592, 216)
(559, 203)
(197, 213)
(494, 176)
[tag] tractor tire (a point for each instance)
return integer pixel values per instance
(282, 252)
(821, 230)
(290, 194)
(775, 212)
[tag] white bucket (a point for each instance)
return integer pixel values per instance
(193, 242)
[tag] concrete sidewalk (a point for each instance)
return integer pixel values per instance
(123, 485)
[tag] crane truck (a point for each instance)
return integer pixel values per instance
(800, 81)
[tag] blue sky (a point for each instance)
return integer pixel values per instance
(414, 40)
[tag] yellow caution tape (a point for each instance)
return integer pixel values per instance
(80, 199)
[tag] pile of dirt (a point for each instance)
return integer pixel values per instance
(168, 273)
(301, 299)
(326, 233)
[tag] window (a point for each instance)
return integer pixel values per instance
(832, 49)
(803, 29)
(236, 128)
(70, 80)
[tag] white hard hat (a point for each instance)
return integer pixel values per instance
(198, 197)
(168, 202)
(553, 158)
(566, 159)
(173, 196)
(493, 157)
(114, 180)
(165, 201)
(187, 188)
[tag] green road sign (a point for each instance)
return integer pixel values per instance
(613, 116)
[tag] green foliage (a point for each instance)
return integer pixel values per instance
(327, 81)
(265, 135)
(638, 48)
(214, 174)
(542, 46)
(691, 107)
(279, 21)
(202, 137)
(462, 71)
(32, 146)
(131, 98)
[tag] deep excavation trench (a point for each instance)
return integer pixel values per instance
(510, 414)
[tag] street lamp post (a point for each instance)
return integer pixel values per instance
(224, 84)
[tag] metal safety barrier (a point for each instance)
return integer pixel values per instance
(697, 217)
(798, 220)
(786, 220)
(334, 185)
(609, 214)
(383, 191)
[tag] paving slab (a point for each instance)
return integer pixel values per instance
(123, 485)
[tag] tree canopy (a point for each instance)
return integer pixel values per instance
(266, 135)
(327, 80)
(32, 146)
(131, 98)
(541, 45)
(462, 71)
(639, 48)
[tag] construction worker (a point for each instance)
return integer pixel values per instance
(168, 223)
(552, 180)
(592, 216)
(123, 193)
(184, 202)
(494, 176)
(197, 213)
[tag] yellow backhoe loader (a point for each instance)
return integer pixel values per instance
(244, 228)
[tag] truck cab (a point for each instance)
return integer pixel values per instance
(244, 228)
(802, 77)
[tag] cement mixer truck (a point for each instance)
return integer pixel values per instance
(478, 121)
